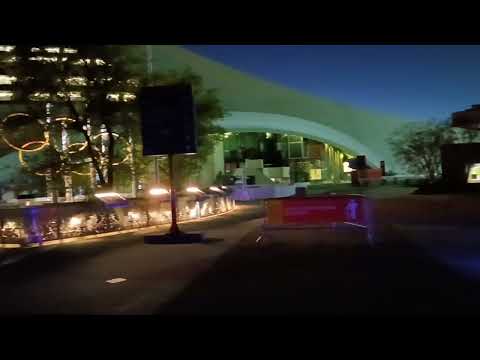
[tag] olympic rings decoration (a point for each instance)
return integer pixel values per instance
(82, 146)
(22, 159)
(119, 138)
(42, 144)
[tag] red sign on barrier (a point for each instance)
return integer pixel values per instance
(325, 209)
(300, 212)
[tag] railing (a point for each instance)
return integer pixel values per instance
(29, 225)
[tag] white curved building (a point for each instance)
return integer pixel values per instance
(257, 105)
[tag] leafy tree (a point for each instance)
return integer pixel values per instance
(208, 111)
(96, 86)
(93, 85)
(417, 146)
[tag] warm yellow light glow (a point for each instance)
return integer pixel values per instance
(81, 146)
(128, 97)
(82, 62)
(474, 174)
(40, 95)
(109, 194)
(44, 58)
(23, 148)
(10, 225)
(113, 97)
(346, 167)
(195, 211)
(224, 187)
(75, 221)
(134, 215)
(54, 50)
(315, 174)
(76, 80)
(158, 191)
(214, 188)
(6, 95)
(99, 62)
(35, 49)
(194, 190)
(6, 48)
(73, 95)
(70, 51)
(7, 80)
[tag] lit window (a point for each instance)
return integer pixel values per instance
(82, 62)
(37, 96)
(70, 51)
(6, 95)
(99, 62)
(6, 48)
(75, 221)
(52, 50)
(346, 167)
(128, 97)
(10, 225)
(35, 49)
(73, 95)
(113, 97)
(7, 80)
(474, 174)
(315, 174)
(44, 58)
(76, 80)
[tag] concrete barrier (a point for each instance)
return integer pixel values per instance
(329, 211)
(259, 192)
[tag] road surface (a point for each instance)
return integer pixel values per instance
(416, 269)
(72, 278)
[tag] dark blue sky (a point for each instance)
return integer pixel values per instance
(417, 82)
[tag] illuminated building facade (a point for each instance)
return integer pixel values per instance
(256, 105)
(41, 86)
(286, 158)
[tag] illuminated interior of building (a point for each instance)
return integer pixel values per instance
(474, 174)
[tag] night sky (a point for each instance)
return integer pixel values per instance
(416, 82)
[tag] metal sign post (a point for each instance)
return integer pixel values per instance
(169, 128)
(174, 230)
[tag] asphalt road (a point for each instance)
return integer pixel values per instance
(72, 278)
(414, 269)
